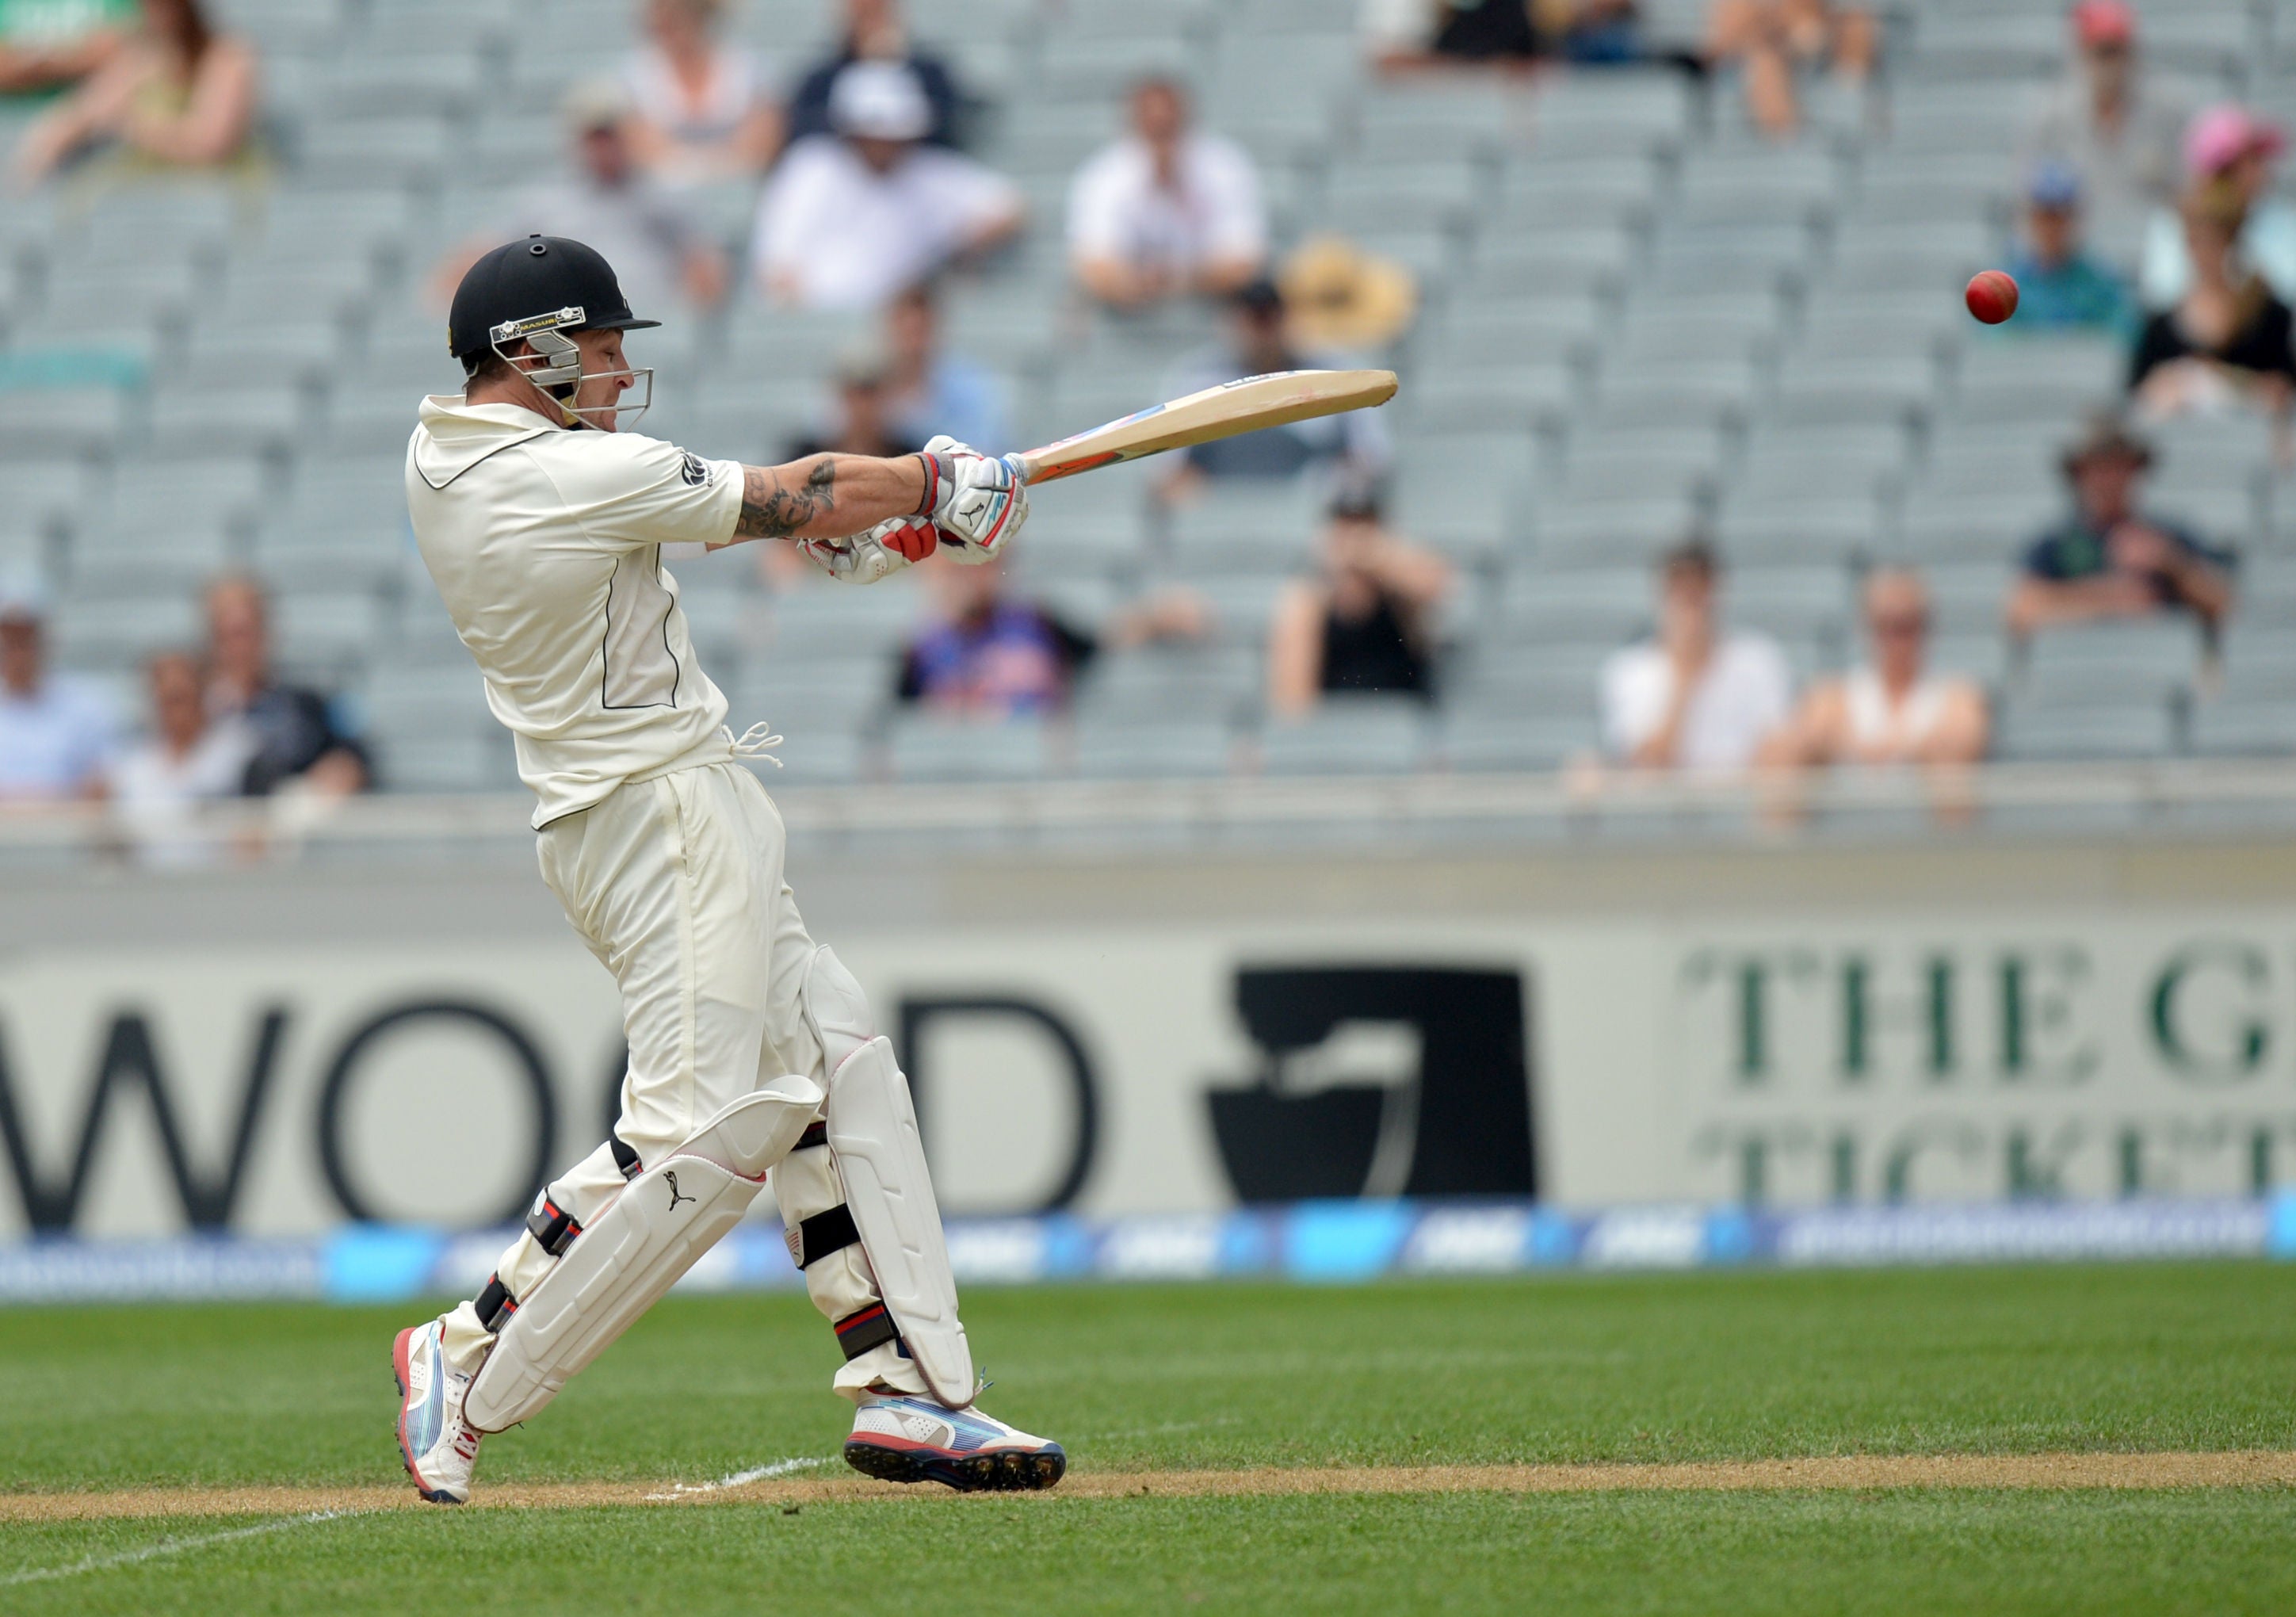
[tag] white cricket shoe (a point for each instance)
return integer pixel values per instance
(438, 1448)
(903, 1439)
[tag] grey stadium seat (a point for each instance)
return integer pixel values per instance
(928, 747)
(1154, 749)
(1348, 735)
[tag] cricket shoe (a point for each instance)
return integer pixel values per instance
(901, 1439)
(438, 1448)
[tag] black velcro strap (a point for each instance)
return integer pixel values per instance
(872, 1327)
(625, 1159)
(826, 1232)
(553, 1228)
(815, 1134)
(496, 1305)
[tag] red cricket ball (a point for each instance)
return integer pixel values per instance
(1991, 296)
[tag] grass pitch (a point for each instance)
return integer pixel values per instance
(1141, 1381)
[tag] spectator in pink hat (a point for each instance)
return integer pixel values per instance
(2108, 121)
(2228, 148)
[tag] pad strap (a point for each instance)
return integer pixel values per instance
(872, 1327)
(553, 1228)
(816, 1135)
(822, 1234)
(625, 1157)
(495, 1305)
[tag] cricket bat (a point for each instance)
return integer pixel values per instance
(1222, 412)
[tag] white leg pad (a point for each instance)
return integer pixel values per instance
(634, 1250)
(872, 1133)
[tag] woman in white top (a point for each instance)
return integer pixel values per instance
(1892, 710)
(702, 109)
(188, 760)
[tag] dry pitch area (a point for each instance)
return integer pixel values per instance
(1972, 1441)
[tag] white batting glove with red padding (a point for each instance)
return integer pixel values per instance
(864, 558)
(978, 502)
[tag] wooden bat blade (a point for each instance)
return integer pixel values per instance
(1233, 408)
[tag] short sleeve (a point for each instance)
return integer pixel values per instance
(1239, 224)
(1097, 202)
(2040, 560)
(787, 217)
(629, 491)
(1770, 694)
(966, 195)
(1626, 718)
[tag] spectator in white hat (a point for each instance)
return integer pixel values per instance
(852, 218)
(56, 732)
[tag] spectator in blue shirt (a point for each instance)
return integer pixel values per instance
(56, 733)
(929, 390)
(2061, 285)
(2109, 559)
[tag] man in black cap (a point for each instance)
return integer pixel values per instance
(751, 1048)
(2109, 560)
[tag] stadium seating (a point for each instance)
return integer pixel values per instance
(1638, 320)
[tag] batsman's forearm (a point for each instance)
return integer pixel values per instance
(827, 496)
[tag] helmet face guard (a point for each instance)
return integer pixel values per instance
(552, 363)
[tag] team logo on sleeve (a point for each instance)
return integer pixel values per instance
(693, 470)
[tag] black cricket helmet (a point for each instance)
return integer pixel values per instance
(535, 291)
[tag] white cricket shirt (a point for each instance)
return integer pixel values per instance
(546, 544)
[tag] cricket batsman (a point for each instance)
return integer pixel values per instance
(751, 1048)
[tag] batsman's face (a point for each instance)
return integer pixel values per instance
(595, 398)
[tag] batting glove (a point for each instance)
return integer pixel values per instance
(978, 502)
(864, 558)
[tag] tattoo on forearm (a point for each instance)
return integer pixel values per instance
(771, 511)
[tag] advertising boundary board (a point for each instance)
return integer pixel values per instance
(1347, 1242)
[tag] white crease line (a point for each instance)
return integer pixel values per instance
(779, 1468)
(167, 1546)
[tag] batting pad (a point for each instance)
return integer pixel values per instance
(873, 1134)
(634, 1250)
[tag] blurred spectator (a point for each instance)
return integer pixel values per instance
(2109, 560)
(1694, 697)
(1354, 446)
(297, 737)
(1400, 35)
(187, 761)
(851, 218)
(930, 390)
(989, 654)
(1338, 296)
(1166, 211)
(2061, 286)
(49, 46)
(874, 31)
(2227, 147)
(659, 252)
(859, 422)
(1362, 624)
(2227, 341)
(55, 731)
(700, 108)
(1892, 709)
(2111, 122)
(176, 94)
(1772, 42)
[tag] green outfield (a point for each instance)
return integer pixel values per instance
(134, 1417)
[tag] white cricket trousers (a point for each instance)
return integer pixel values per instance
(676, 883)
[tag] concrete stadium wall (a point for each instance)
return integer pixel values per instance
(277, 1050)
